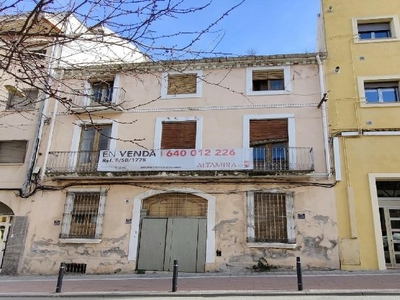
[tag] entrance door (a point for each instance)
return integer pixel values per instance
(390, 224)
(164, 240)
(5, 223)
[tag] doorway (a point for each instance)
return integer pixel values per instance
(5, 224)
(173, 226)
(389, 214)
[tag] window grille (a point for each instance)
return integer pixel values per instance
(83, 215)
(175, 205)
(268, 218)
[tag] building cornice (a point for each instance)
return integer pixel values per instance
(198, 64)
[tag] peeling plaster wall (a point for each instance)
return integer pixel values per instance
(316, 235)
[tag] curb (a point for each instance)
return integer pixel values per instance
(226, 293)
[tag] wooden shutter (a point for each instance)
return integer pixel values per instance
(178, 135)
(13, 151)
(267, 74)
(182, 84)
(268, 130)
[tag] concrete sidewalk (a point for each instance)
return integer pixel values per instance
(160, 284)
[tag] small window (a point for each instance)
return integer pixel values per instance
(24, 100)
(13, 151)
(381, 92)
(181, 85)
(268, 80)
(83, 215)
(102, 92)
(270, 218)
(374, 31)
(178, 135)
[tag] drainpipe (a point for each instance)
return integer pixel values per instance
(324, 118)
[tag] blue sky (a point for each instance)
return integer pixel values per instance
(262, 27)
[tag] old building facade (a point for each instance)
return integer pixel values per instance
(214, 162)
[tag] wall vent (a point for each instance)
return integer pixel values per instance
(75, 268)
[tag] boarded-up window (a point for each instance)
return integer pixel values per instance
(83, 215)
(13, 151)
(175, 205)
(178, 135)
(268, 80)
(182, 84)
(25, 100)
(270, 218)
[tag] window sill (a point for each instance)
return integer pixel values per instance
(4, 164)
(272, 245)
(383, 40)
(181, 96)
(267, 93)
(14, 109)
(382, 104)
(79, 241)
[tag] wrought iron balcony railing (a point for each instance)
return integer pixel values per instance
(275, 160)
(85, 100)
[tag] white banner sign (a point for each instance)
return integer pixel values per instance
(176, 160)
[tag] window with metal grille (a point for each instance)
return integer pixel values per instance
(270, 218)
(24, 100)
(178, 135)
(83, 215)
(179, 84)
(13, 151)
(175, 205)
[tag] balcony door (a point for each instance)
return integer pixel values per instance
(102, 92)
(93, 139)
(269, 140)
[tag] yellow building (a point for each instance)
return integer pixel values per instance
(362, 73)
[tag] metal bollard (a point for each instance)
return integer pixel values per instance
(299, 277)
(60, 277)
(175, 277)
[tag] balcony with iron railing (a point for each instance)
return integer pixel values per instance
(253, 161)
(108, 100)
